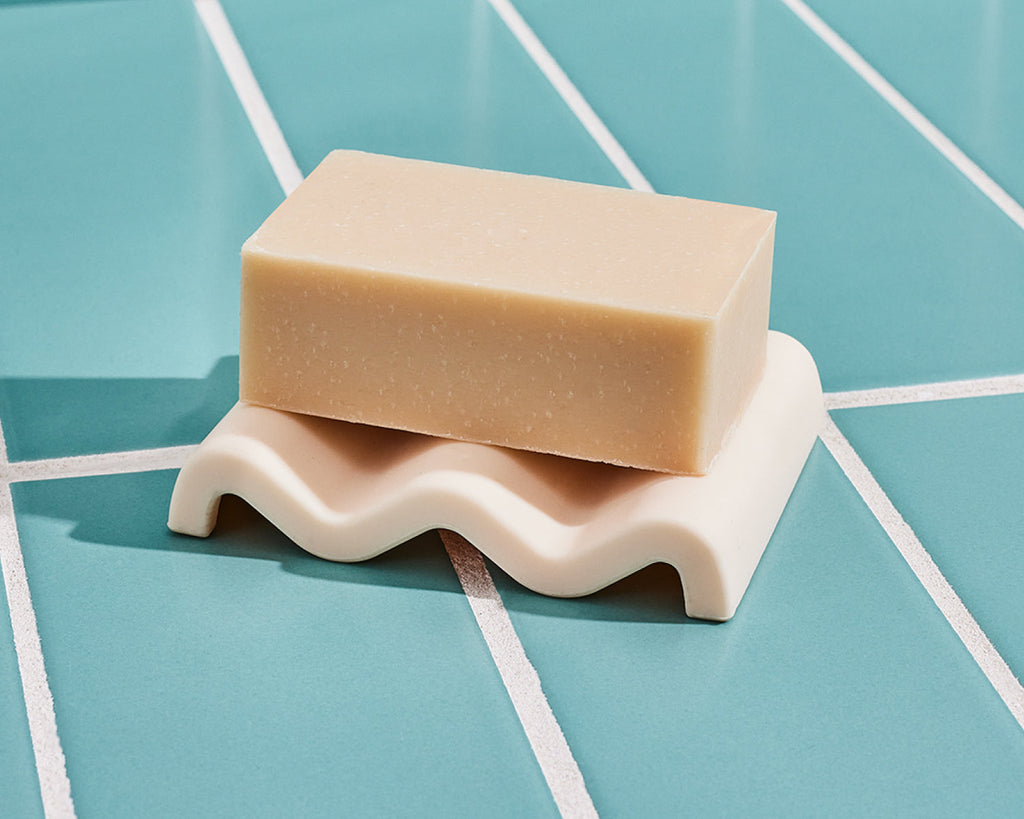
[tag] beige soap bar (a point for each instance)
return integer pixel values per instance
(594, 322)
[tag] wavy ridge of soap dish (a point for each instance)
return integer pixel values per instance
(559, 526)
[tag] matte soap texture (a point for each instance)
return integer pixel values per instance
(593, 322)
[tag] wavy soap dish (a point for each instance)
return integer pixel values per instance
(559, 526)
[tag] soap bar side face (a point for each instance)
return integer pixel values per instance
(510, 369)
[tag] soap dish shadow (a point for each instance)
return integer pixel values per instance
(652, 595)
(419, 563)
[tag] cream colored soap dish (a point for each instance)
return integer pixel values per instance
(559, 526)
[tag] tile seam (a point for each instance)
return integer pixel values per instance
(107, 463)
(258, 111)
(988, 659)
(571, 95)
(520, 678)
(517, 674)
(51, 765)
(919, 393)
(918, 121)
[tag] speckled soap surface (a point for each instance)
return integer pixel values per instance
(588, 321)
(237, 676)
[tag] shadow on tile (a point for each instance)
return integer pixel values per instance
(651, 595)
(130, 511)
(56, 417)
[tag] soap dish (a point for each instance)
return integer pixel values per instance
(559, 526)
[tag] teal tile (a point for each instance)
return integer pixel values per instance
(890, 266)
(131, 177)
(443, 80)
(955, 471)
(19, 784)
(240, 676)
(837, 689)
(963, 68)
(50, 417)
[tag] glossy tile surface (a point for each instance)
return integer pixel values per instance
(443, 80)
(130, 178)
(820, 697)
(881, 248)
(955, 470)
(963, 68)
(178, 665)
(238, 676)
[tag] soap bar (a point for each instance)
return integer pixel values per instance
(580, 320)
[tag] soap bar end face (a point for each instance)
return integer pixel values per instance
(740, 346)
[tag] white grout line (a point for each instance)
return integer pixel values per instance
(943, 144)
(51, 767)
(966, 627)
(573, 98)
(938, 391)
(108, 463)
(520, 677)
(248, 90)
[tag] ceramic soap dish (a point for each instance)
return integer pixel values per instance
(559, 526)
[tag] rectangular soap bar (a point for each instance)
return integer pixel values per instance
(581, 320)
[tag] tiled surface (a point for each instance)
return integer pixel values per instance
(833, 691)
(130, 178)
(964, 69)
(955, 469)
(306, 685)
(443, 80)
(882, 246)
(238, 676)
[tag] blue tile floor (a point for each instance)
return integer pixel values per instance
(239, 676)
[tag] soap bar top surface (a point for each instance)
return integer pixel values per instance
(514, 233)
